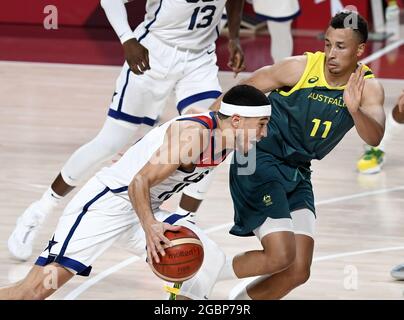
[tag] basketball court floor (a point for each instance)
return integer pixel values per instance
(48, 110)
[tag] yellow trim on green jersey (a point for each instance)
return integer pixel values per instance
(313, 75)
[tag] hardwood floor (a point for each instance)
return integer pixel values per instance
(48, 110)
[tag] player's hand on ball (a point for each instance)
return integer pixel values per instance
(137, 56)
(156, 240)
(354, 89)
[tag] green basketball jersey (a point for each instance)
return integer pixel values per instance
(308, 120)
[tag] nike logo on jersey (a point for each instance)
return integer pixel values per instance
(210, 52)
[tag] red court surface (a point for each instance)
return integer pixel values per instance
(100, 46)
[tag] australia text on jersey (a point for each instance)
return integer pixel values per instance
(329, 100)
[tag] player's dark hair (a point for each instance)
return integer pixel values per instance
(244, 95)
(351, 20)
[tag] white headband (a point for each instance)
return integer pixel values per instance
(245, 111)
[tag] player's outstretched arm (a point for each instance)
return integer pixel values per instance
(364, 99)
(285, 73)
(181, 146)
(136, 55)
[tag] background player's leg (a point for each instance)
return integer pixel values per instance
(281, 39)
(39, 284)
(112, 138)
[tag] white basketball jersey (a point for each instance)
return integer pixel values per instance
(118, 176)
(188, 24)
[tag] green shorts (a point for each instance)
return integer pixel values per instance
(274, 190)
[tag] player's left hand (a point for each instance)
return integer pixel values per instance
(354, 90)
(236, 59)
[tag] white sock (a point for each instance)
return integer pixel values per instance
(227, 272)
(390, 130)
(281, 39)
(50, 200)
(242, 295)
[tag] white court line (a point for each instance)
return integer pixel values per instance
(92, 281)
(382, 52)
(38, 186)
(246, 282)
(24, 185)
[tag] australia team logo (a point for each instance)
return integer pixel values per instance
(267, 200)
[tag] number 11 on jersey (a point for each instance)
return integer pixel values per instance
(317, 123)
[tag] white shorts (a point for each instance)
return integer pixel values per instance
(140, 99)
(277, 10)
(98, 217)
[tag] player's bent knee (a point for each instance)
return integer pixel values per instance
(279, 261)
(301, 276)
(110, 147)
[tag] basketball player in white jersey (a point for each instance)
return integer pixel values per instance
(121, 203)
(279, 16)
(172, 50)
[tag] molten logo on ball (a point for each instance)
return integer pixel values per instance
(183, 260)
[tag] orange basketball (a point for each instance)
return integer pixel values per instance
(183, 260)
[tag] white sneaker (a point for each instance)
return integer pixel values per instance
(21, 241)
(398, 272)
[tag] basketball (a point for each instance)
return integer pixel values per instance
(183, 260)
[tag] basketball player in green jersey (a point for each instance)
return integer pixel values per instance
(316, 99)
